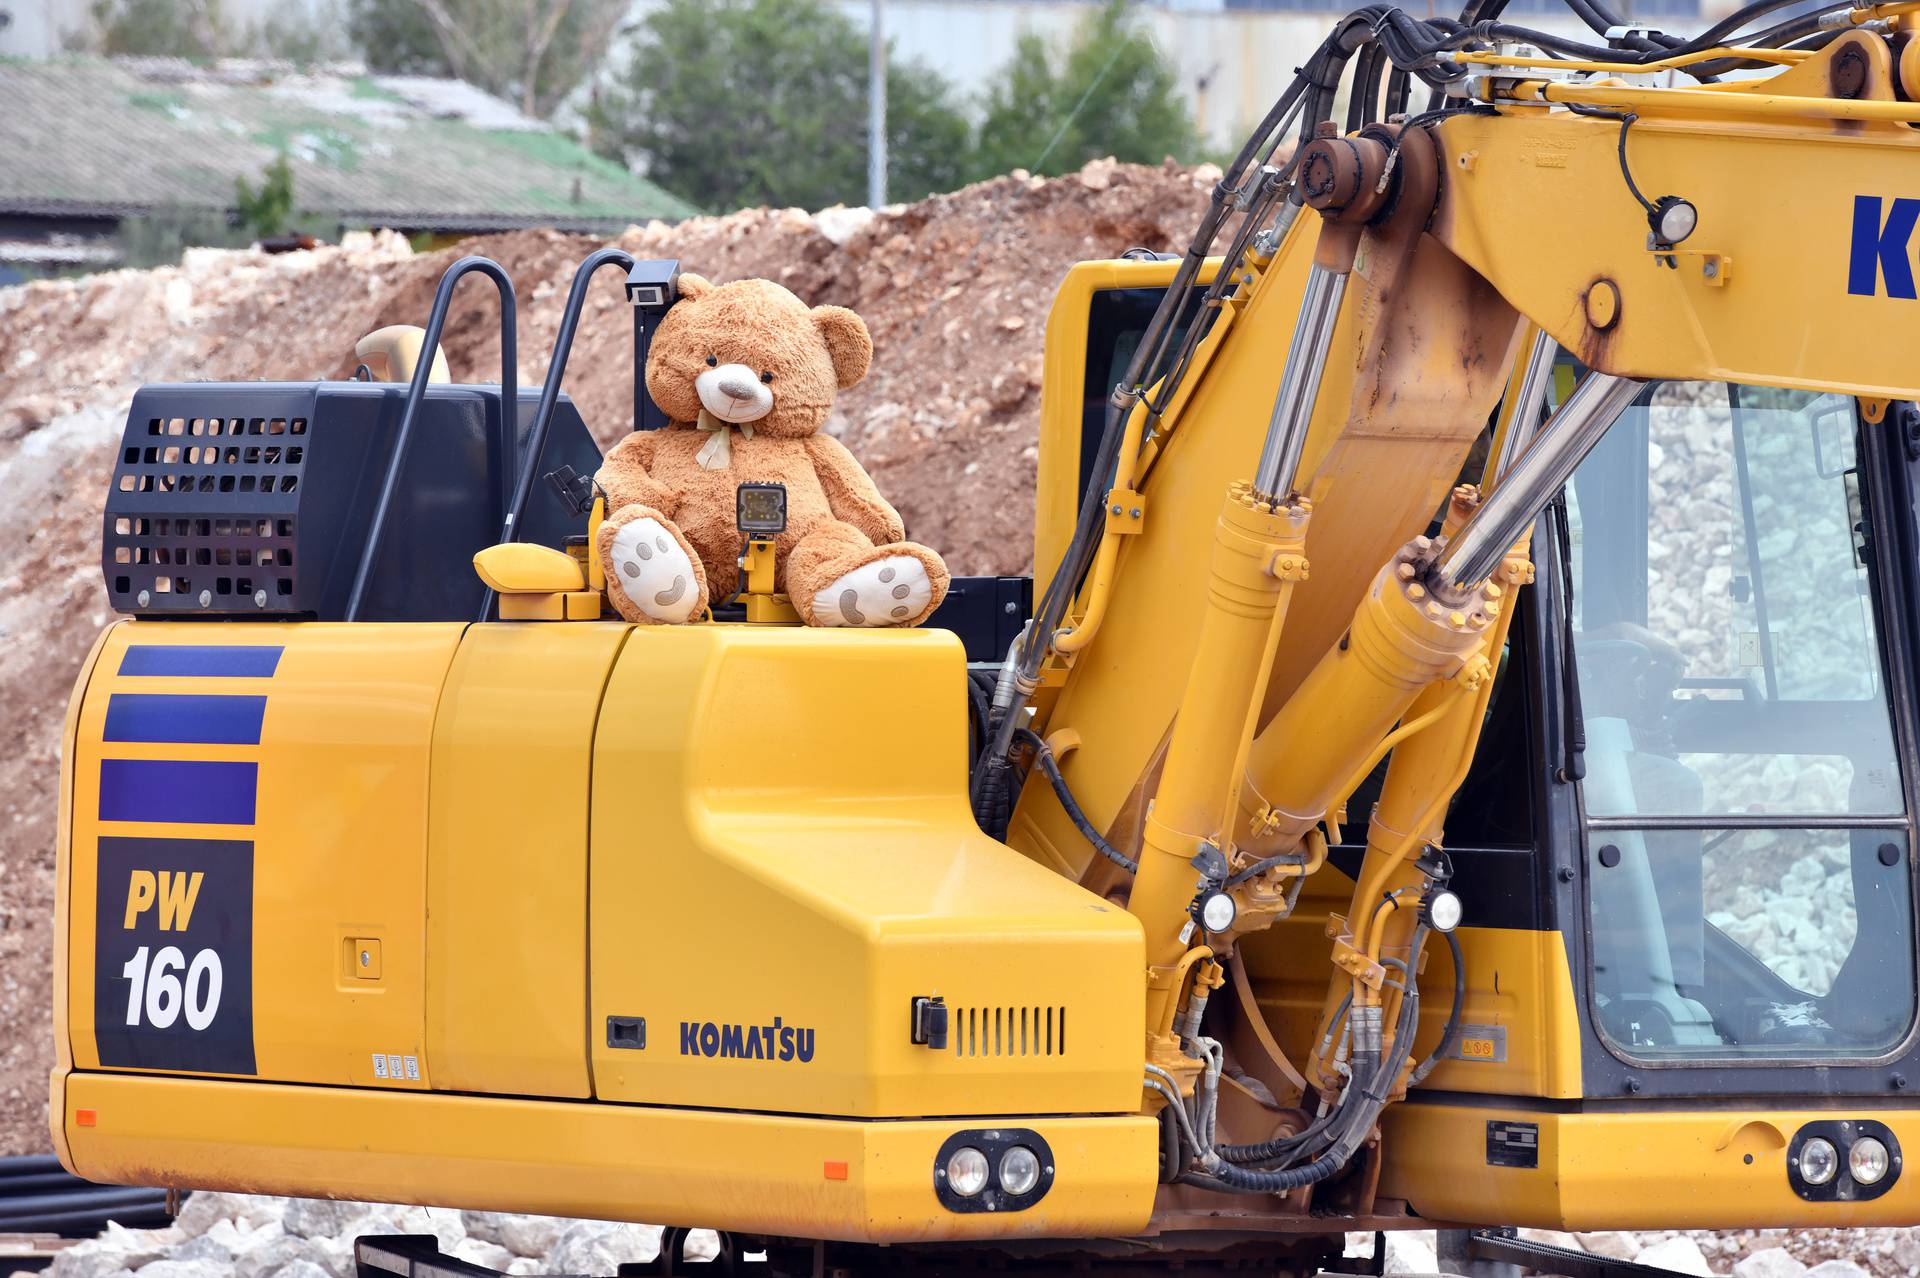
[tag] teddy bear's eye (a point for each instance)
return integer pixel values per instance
(767, 378)
(712, 362)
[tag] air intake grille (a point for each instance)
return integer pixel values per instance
(256, 499)
(203, 508)
(1009, 1031)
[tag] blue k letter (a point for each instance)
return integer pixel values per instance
(1881, 250)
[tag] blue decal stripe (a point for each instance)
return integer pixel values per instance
(177, 791)
(196, 720)
(230, 661)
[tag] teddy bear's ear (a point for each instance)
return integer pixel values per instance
(694, 287)
(848, 343)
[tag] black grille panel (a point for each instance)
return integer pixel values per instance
(208, 553)
(253, 499)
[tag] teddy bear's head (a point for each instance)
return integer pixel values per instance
(752, 353)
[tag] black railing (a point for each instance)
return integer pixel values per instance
(511, 463)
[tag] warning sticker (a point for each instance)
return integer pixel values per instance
(1483, 1043)
(1513, 1144)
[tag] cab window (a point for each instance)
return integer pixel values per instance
(1746, 847)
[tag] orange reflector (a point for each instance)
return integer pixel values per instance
(83, 1117)
(835, 1171)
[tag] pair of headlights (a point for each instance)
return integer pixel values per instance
(1867, 1161)
(969, 1171)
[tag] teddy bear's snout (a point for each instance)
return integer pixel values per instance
(734, 393)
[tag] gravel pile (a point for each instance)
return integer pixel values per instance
(1765, 1253)
(241, 1236)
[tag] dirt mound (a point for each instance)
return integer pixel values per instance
(956, 289)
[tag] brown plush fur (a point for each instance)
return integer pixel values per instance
(837, 521)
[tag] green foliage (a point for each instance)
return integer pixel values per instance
(268, 210)
(730, 103)
(200, 31)
(1109, 92)
(534, 53)
(191, 29)
(294, 37)
(395, 37)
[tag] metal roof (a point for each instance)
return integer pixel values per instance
(91, 138)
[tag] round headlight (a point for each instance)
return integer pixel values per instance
(1818, 1161)
(1867, 1160)
(967, 1171)
(1674, 219)
(1443, 912)
(1019, 1170)
(1216, 912)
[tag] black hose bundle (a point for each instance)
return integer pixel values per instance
(1048, 765)
(1330, 1140)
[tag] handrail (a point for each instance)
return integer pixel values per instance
(550, 395)
(550, 388)
(417, 391)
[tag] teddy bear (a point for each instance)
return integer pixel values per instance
(746, 372)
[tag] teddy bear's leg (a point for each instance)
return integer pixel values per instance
(838, 577)
(653, 576)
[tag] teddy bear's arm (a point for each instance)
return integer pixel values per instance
(624, 476)
(850, 491)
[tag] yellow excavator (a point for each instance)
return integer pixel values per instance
(1455, 767)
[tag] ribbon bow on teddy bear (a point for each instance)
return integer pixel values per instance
(746, 373)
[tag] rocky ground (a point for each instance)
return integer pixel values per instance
(236, 1236)
(1767, 1253)
(955, 289)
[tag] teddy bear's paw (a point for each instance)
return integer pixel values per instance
(885, 592)
(654, 572)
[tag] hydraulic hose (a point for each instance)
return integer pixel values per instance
(1044, 760)
(1452, 1030)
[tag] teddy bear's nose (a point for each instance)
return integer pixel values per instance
(738, 390)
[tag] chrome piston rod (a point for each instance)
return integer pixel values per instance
(1473, 553)
(1524, 426)
(1299, 384)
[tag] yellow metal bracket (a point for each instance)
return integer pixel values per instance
(1874, 410)
(1126, 511)
(1350, 959)
(571, 605)
(764, 606)
(1715, 268)
(1288, 565)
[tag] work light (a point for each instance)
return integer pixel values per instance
(1867, 1161)
(1020, 1170)
(967, 1171)
(1818, 1161)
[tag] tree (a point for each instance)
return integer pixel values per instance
(532, 52)
(190, 29)
(1110, 92)
(268, 210)
(730, 103)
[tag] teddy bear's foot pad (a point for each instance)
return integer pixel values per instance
(883, 593)
(654, 572)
